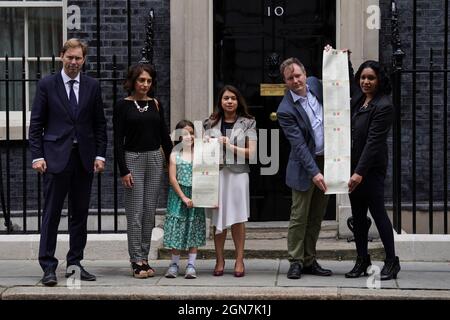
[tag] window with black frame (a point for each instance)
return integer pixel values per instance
(28, 29)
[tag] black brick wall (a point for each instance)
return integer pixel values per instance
(114, 41)
(430, 33)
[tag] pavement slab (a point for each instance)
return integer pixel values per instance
(264, 279)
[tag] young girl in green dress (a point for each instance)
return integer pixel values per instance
(185, 226)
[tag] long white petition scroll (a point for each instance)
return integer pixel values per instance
(205, 173)
(336, 103)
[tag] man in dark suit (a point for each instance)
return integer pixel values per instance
(300, 115)
(68, 144)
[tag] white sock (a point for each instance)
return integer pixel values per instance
(175, 259)
(192, 257)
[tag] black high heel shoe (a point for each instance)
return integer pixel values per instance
(361, 265)
(390, 269)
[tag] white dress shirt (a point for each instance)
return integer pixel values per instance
(314, 110)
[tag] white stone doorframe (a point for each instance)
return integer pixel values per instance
(191, 60)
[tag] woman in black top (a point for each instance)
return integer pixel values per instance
(139, 131)
(372, 116)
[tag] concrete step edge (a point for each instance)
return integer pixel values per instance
(156, 293)
(323, 254)
(283, 226)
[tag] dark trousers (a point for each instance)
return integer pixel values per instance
(75, 182)
(370, 195)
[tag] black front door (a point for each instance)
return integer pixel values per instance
(251, 38)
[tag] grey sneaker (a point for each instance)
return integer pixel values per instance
(172, 272)
(190, 272)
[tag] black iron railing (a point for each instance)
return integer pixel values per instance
(6, 149)
(437, 104)
(11, 146)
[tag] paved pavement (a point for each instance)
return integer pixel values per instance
(264, 279)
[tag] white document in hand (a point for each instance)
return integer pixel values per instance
(205, 173)
(336, 105)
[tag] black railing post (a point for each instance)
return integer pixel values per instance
(24, 145)
(99, 176)
(8, 139)
(98, 38)
(413, 121)
(53, 67)
(430, 146)
(5, 207)
(147, 51)
(445, 120)
(129, 32)
(39, 180)
(397, 63)
(115, 186)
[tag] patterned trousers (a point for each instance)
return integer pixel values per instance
(140, 201)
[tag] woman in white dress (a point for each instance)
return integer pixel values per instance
(236, 130)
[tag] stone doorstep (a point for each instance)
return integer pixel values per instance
(114, 246)
(277, 234)
(99, 246)
(279, 229)
(329, 249)
(423, 247)
(283, 225)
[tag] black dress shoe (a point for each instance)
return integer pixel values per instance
(317, 270)
(84, 275)
(49, 279)
(295, 271)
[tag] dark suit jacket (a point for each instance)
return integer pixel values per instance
(370, 128)
(297, 128)
(53, 127)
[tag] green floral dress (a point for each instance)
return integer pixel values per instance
(184, 227)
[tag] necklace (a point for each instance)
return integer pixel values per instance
(140, 109)
(365, 104)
